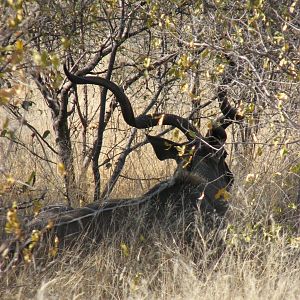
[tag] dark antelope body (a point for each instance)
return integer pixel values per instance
(198, 184)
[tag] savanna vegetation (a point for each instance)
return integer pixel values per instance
(66, 144)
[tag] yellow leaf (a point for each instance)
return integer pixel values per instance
(266, 63)
(285, 47)
(283, 152)
(210, 125)
(6, 94)
(3, 100)
(19, 45)
(292, 205)
(180, 150)
(247, 238)
(19, 16)
(147, 61)
(222, 193)
(81, 202)
(35, 237)
(61, 169)
(295, 169)
(284, 27)
(27, 255)
(251, 107)
(187, 160)
(192, 44)
(205, 53)
(156, 42)
(184, 87)
(282, 96)
(54, 250)
(259, 151)
(10, 180)
(44, 58)
(37, 58)
(12, 222)
(12, 22)
(250, 178)
(220, 69)
(66, 43)
(292, 7)
(50, 224)
(176, 135)
(55, 60)
(184, 61)
(295, 242)
(283, 62)
(125, 249)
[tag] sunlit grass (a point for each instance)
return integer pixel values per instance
(258, 259)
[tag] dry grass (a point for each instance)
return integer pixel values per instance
(260, 260)
(162, 268)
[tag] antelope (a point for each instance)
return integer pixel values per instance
(201, 174)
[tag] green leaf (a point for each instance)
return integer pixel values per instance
(205, 53)
(283, 152)
(31, 179)
(296, 169)
(45, 59)
(46, 133)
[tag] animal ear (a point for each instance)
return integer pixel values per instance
(163, 148)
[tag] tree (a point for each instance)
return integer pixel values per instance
(181, 48)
